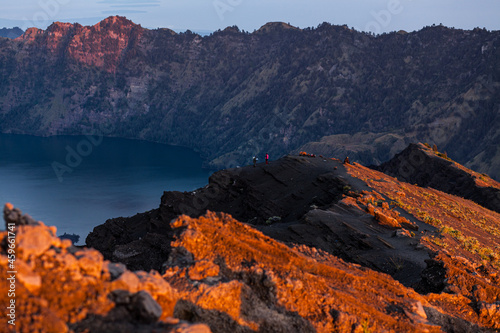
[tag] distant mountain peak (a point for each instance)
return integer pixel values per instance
(233, 28)
(30, 34)
(11, 33)
(59, 28)
(58, 25)
(116, 20)
(100, 45)
(276, 26)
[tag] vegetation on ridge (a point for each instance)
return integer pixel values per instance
(232, 95)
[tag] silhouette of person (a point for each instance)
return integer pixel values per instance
(255, 161)
(267, 158)
(346, 161)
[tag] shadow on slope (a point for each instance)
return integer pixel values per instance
(419, 164)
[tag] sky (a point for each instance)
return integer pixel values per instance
(377, 16)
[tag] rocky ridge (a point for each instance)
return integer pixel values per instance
(442, 246)
(61, 288)
(327, 246)
(101, 45)
(234, 94)
(220, 272)
(419, 164)
(11, 33)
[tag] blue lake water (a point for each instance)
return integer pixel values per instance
(78, 182)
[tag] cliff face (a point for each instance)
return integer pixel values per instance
(100, 46)
(233, 94)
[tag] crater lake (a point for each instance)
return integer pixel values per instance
(78, 182)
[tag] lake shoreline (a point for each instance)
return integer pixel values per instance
(78, 182)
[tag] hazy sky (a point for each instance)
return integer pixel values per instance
(368, 15)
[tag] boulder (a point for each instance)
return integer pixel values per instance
(144, 308)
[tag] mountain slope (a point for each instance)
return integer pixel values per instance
(322, 246)
(443, 246)
(233, 94)
(11, 33)
(428, 168)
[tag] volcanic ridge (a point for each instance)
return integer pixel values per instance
(327, 90)
(303, 244)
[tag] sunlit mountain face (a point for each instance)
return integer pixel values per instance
(232, 94)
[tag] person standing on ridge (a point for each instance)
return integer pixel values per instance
(255, 161)
(267, 158)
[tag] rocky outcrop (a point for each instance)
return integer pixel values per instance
(297, 199)
(443, 246)
(100, 46)
(419, 164)
(266, 284)
(57, 287)
(221, 274)
(287, 189)
(348, 211)
(322, 246)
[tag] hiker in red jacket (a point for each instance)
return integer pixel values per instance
(267, 158)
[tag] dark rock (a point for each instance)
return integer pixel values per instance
(418, 164)
(249, 194)
(180, 257)
(120, 296)
(143, 307)
(433, 278)
(450, 323)
(140, 307)
(116, 270)
(74, 238)
(13, 215)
